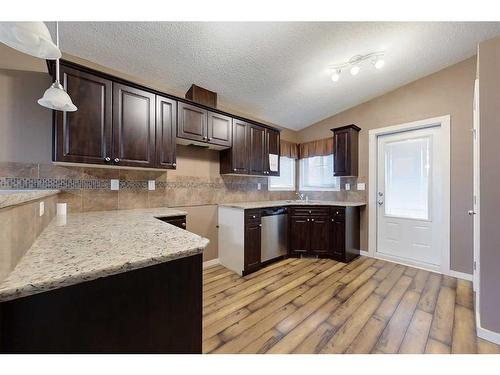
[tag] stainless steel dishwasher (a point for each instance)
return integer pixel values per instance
(274, 238)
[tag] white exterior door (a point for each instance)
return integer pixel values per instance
(410, 197)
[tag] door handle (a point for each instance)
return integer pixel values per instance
(470, 212)
(380, 202)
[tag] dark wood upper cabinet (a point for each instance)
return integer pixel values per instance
(272, 147)
(192, 122)
(84, 136)
(345, 161)
(257, 149)
(219, 129)
(133, 126)
(235, 160)
(166, 125)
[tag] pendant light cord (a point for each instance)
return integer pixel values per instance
(57, 44)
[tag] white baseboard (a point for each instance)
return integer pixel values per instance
(458, 275)
(488, 335)
(210, 263)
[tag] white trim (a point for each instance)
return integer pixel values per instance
(404, 262)
(444, 122)
(487, 334)
(210, 263)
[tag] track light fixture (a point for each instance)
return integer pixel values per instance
(354, 64)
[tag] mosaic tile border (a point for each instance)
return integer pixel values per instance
(25, 183)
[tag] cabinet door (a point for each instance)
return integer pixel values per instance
(252, 246)
(341, 155)
(166, 121)
(84, 136)
(299, 235)
(239, 151)
(133, 126)
(320, 235)
(272, 147)
(220, 129)
(192, 122)
(338, 239)
(257, 149)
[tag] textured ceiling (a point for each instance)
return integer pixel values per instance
(276, 71)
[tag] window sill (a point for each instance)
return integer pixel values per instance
(309, 188)
(281, 188)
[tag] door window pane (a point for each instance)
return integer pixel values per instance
(407, 171)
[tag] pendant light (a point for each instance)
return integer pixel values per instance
(32, 38)
(55, 97)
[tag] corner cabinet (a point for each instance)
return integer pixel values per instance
(324, 232)
(345, 141)
(115, 124)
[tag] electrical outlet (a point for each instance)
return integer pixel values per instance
(115, 184)
(348, 186)
(151, 185)
(259, 186)
(361, 186)
(42, 208)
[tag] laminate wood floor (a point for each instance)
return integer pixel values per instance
(323, 306)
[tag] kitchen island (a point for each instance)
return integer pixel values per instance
(106, 282)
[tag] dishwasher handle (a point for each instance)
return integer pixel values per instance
(274, 211)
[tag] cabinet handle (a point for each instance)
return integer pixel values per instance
(260, 225)
(183, 225)
(333, 220)
(117, 160)
(312, 219)
(204, 138)
(234, 170)
(310, 211)
(107, 158)
(307, 219)
(209, 139)
(253, 216)
(174, 165)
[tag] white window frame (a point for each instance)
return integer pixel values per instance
(303, 187)
(294, 177)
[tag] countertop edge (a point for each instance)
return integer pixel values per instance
(251, 205)
(46, 286)
(19, 197)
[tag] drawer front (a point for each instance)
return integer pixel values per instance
(310, 211)
(338, 213)
(252, 216)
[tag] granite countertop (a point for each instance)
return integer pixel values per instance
(264, 204)
(14, 197)
(86, 246)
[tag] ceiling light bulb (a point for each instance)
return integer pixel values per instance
(379, 64)
(354, 70)
(336, 76)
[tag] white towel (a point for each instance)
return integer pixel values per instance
(273, 162)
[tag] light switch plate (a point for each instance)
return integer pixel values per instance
(348, 186)
(259, 186)
(361, 186)
(42, 208)
(151, 185)
(115, 184)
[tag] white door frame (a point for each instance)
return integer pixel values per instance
(444, 149)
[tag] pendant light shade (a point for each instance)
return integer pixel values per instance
(56, 98)
(32, 38)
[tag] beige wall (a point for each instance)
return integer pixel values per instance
(449, 91)
(489, 101)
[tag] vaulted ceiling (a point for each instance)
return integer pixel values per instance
(276, 71)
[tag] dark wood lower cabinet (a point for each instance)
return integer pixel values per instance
(178, 221)
(326, 232)
(252, 240)
(156, 309)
